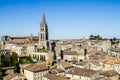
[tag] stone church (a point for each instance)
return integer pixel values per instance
(41, 39)
(43, 35)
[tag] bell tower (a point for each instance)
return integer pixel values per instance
(43, 36)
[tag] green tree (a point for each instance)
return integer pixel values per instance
(94, 37)
(5, 60)
(114, 39)
(91, 37)
(43, 49)
(14, 58)
(99, 38)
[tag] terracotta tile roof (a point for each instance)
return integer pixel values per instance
(19, 37)
(99, 78)
(66, 64)
(113, 58)
(107, 79)
(95, 62)
(24, 37)
(98, 56)
(109, 62)
(116, 61)
(37, 67)
(55, 77)
(54, 70)
(110, 73)
(11, 76)
(82, 63)
(58, 70)
(102, 78)
(70, 53)
(82, 72)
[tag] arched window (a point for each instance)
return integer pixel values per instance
(41, 37)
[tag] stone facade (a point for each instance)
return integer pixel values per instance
(35, 71)
(19, 39)
(43, 36)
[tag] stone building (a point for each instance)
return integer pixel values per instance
(4, 54)
(82, 74)
(14, 76)
(43, 35)
(35, 71)
(19, 39)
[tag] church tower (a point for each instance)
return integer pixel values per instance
(43, 36)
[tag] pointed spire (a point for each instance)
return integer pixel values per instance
(43, 19)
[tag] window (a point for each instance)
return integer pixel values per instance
(41, 36)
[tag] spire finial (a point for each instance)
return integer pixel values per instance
(43, 19)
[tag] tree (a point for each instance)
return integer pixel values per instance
(94, 37)
(85, 52)
(49, 63)
(17, 68)
(14, 58)
(114, 39)
(91, 37)
(4, 61)
(99, 38)
(43, 49)
(0, 71)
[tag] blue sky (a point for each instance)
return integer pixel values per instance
(67, 19)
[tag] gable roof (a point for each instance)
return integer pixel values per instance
(82, 72)
(11, 76)
(55, 77)
(66, 64)
(70, 53)
(37, 67)
(82, 63)
(110, 73)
